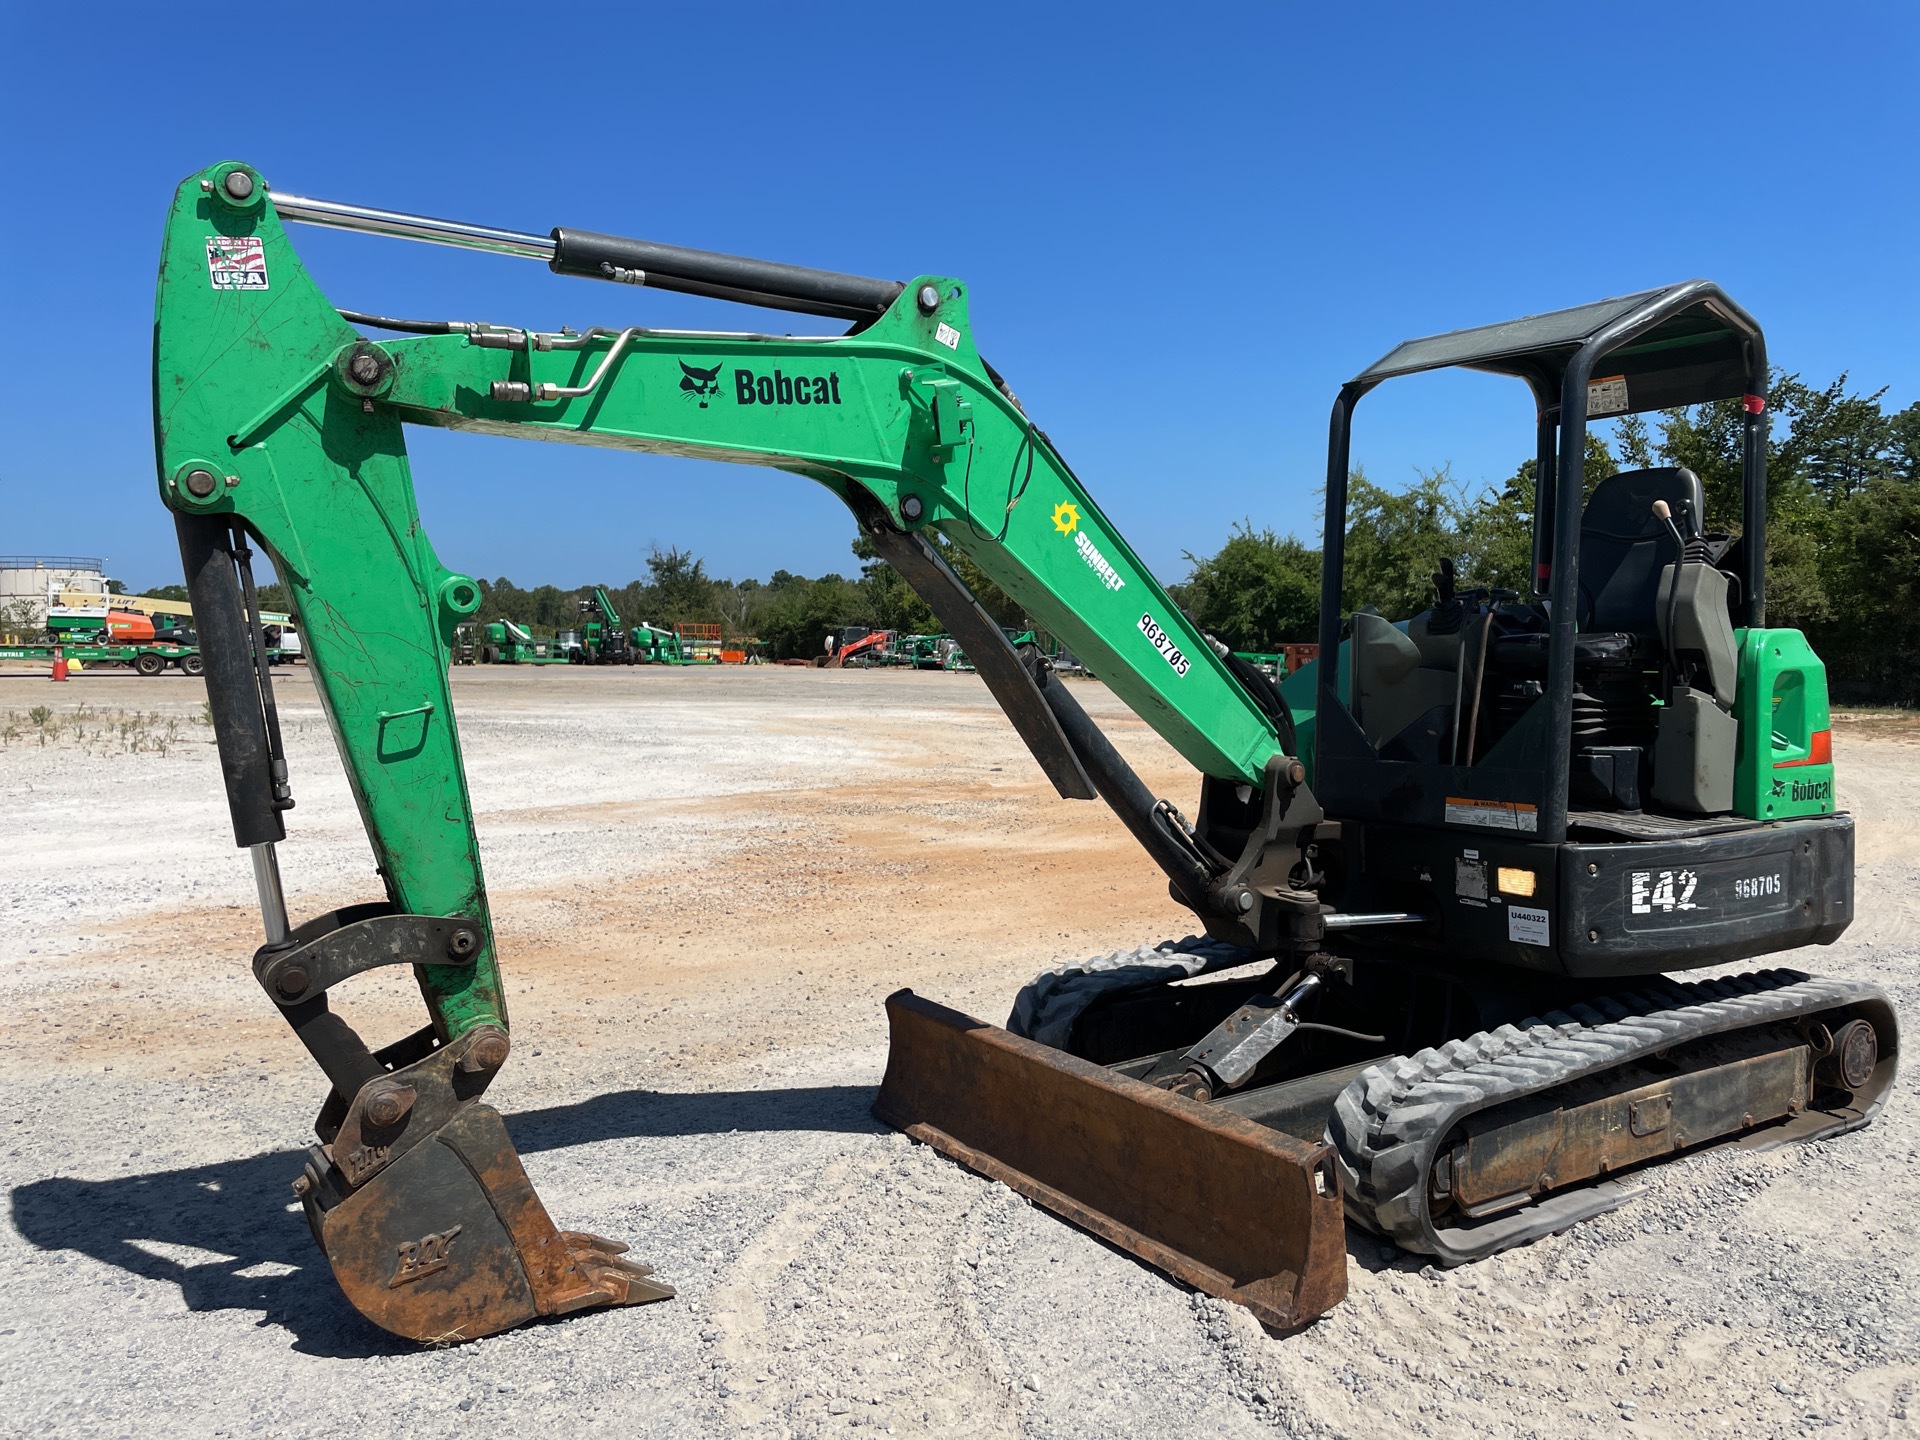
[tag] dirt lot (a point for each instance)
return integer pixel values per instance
(705, 883)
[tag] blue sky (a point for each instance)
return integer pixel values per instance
(1182, 226)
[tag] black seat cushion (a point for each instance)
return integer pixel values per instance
(1624, 546)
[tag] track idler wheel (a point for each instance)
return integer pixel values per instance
(449, 1242)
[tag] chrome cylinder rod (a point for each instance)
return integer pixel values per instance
(1385, 917)
(273, 901)
(331, 213)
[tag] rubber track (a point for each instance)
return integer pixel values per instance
(1388, 1124)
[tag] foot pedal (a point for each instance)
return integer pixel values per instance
(449, 1241)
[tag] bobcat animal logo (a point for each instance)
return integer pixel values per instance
(701, 385)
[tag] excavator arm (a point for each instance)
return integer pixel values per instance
(280, 423)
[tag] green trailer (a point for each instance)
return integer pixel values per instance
(145, 659)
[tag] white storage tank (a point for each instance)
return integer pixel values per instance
(25, 581)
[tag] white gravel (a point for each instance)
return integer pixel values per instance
(156, 1280)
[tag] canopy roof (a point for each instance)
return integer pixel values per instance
(1682, 344)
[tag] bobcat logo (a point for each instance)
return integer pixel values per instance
(699, 384)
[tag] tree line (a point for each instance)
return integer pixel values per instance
(1843, 538)
(1843, 533)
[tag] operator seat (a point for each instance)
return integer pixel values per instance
(1624, 546)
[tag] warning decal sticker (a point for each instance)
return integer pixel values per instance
(1493, 814)
(1608, 396)
(237, 262)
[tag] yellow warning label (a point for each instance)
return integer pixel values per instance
(1493, 814)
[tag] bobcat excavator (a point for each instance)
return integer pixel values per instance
(1443, 872)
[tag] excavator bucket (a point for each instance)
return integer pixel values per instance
(1229, 1206)
(450, 1243)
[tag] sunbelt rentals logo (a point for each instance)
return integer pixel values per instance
(1066, 519)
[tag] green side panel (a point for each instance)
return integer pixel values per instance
(1784, 767)
(1301, 692)
(246, 385)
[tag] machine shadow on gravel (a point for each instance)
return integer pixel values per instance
(220, 1208)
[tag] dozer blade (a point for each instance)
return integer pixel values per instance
(450, 1243)
(1231, 1207)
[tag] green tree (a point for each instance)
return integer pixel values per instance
(894, 604)
(1873, 568)
(681, 589)
(1257, 592)
(1496, 531)
(1396, 540)
(1904, 443)
(1635, 441)
(806, 611)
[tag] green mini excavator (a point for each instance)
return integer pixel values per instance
(1445, 872)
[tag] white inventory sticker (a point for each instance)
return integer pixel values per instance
(237, 262)
(1527, 926)
(1608, 396)
(1492, 814)
(1163, 642)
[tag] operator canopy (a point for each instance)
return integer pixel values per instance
(1685, 344)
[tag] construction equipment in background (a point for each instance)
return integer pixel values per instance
(170, 621)
(509, 644)
(464, 648)
(653, 646)
(1446, 864)
(149, 658)
(859, 646)
(80, 635)
(1276, 665)
(925, 652)
(602, 641)
(700, 640)
(1025, 641)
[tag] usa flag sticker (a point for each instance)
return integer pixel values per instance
(237, 262)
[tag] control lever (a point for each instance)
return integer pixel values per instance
(1664, 512)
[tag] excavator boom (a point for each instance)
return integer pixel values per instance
(280, 424)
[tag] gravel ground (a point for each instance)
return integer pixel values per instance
(704, 882)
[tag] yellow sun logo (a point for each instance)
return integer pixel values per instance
(1066, 518)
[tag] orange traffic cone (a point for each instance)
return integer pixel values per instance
(59, 664)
